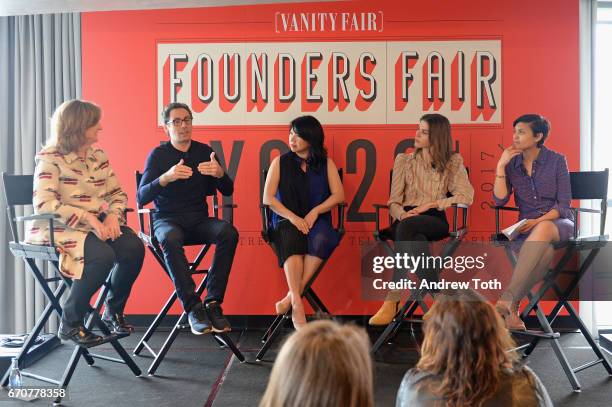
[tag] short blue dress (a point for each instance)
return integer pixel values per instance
(300, 191)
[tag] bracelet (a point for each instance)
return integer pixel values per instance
(500, 176)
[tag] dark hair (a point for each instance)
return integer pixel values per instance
(309, 129)
(537, 123)
(441, 143)
(170, 107)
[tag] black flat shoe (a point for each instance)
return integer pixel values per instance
(117, 323)
(79, 335)
(218, 321)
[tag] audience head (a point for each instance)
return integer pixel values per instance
(310, 136)
(435, 133)
(322, 364)
(530, 129)
(466, 344)
(74, 124)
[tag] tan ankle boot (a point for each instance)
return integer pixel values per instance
(514, 322)
(385, 314)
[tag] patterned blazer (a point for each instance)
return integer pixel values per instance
(70, 186)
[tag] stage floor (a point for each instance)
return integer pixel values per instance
(196, 372)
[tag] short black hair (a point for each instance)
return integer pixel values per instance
(537, 123)
(309, 128)
(170, 107)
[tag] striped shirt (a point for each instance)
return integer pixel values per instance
(415, 182)
(548, 187)
(71, 186)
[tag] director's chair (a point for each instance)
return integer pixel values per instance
(147, 234)
(416, 299)
(586, 185)
(313, 299)
(18, 191)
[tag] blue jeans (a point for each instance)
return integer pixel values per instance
(173, 231)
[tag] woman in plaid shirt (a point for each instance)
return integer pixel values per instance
(75, 181)
(540, 181)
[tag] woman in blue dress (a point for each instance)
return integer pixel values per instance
(302, 187)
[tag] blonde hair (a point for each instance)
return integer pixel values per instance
(69, 122)
(467, 346)
(323, 364)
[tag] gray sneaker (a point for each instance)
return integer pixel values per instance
(198, 320)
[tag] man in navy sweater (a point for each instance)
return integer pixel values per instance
(177, 177)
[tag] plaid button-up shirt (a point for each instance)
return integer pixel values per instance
(547, 188)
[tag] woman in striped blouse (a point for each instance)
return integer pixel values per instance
(424, 184)
(75, 181)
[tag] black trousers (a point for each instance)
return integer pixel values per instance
(127, 252)
(176, 230)
(412, 236)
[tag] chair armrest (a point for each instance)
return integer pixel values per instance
(459, 231)
(591, 238)
(141, 222)
(502, 208)
(341, 207)
(575, 211)
(265, 214)
(507, 208)
(231, 208)
(377, 209)
(45, 216)
(265, 231)
(589, 210)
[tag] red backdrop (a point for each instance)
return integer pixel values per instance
(539, 73)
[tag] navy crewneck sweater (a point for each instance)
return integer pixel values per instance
(184, 195)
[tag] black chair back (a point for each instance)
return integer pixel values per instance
(138, 179)
(591, 185)
(18, 191)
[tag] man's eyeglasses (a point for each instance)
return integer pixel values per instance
(179, 122)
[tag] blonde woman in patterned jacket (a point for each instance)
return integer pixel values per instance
(75, 181)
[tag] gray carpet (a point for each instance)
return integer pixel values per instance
(196, 372)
